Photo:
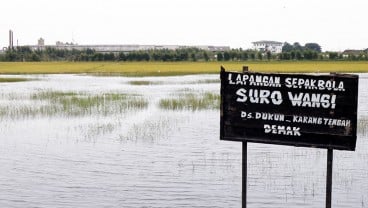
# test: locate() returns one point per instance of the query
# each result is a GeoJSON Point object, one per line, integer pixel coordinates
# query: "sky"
{"type": "Point", "coordinates": [334, 24]}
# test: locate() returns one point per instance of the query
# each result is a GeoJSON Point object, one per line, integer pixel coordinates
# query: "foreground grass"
{"type": "Point", "coordinates": [177, 68]}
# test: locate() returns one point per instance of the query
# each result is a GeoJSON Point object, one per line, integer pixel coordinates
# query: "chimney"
{"type": "Point", "coordinates": [11, 43]}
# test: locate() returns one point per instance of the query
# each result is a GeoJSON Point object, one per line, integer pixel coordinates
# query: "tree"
{"type": "Point", "coordinates": [90, 51]}
{"type": "Point", "coordinates": [298, 55]}
{"type": "Point", "coordinates": [10, 56]}
{"type": "Point", "coordinates": [259, 56]}
{"type": "Point", "coordinates": [297, 47]}
{"type": "Point", "coordinates": [308, 54]}
{"type": "Point", "coordinates": [285, 56]}
{"type": "Point", "coordinates": [227, 56]}
{"type": "Point", "coordinates": [244, 56]}
{"type": "Point", "coordinates": [220, 57]}
{"type": "Point", "coordinates": [268, 55]}
{"type": "Point", "coordinates": [109, 57]}
{"type": "Point", "coordinates": [292, 55]}
{"type": "Point", "coordinates": [122, 56]}
{"type": "Point", "coordinates": [313, 47]}
{"type": "Point", "coordinates": [193, 57]}
{"type": "Point", "coordinates": [332, 55]}
{"type": "Point", "coordinates": [287, 47]}
{"type": "Point", "coordinates": [183, 56]}
{"type": "Point", "coordinates": [233, 55]}
{"type": "Point", "coordinates": [98, 57]}
{"type": "Point", "coordinates": [205, 56]}
{"type": "Point", "coordinates": [35, 57]}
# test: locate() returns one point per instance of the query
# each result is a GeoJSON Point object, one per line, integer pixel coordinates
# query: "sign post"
{"type": "Point", "coordinates": [244, 174]}
{"type": "Point", "coordinates": [244, 165]}
{"type": "Point", "coordinates": [317, 111]}
{"type": "Point", "coordinates": [329, 178]}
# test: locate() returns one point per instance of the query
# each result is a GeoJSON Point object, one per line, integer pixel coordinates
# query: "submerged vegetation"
{"type": "Point", "coordinates": [191, 101]}
{"type": "Point", "coordinates": [206, 81]}
{"type": "Point", "coordinates": [58, 103]}
{"type": "Point", "coordinates": [13, 79]}
{"type": "Point", "coordinates": [143, 82]}
{"type": "Point", "coordinates": [150, 130]}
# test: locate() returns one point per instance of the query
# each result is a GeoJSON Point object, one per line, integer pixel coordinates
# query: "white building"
{"type": "Point", "coordinates": [265, 45]}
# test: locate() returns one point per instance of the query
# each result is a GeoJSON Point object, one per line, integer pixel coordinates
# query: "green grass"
{"type": "Point", "coordinates": [56, 103]}
{"type": "Point", "coordinates": [191, 101]}
{"type": "Point", "coordinates": [206, 81]}
{"type": "Point", "coordinates": [13, 79]}
{"type": "Point", "coordinates": [52, 95]}
{"type": "Point", "coordinates": [143, 82]}
{"type": "Point", "coordinates": [177, 68]}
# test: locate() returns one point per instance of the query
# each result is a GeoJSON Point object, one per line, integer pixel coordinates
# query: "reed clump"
{"type": "Point", "coordinates": [191, 101]}
{"type": "Point", "coordinates": [144, 82]}
{"type": "Point", "coordinates": [13, 79]}
{"type": "Point", "coordinates": [58, 103]}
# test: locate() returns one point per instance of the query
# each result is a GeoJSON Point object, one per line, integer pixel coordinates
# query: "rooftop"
{"type": "Point", "coordinates": [267, 42]}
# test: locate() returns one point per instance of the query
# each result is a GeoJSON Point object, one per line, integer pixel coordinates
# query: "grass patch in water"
{"type": "Point", "coordinates": [143, 82]}
{"type": "Point", "coordinates": [13, 79]}
{"type": "Point", "coordinates": [152, 129]}
{"type": "Point", "coordinates": [206, 81]}
{"type": "Point", "coordinates": [362, 125]}
{"type": "Point", "coordinates": [191, 101]}
{"type": "Point", "coordinates": [52, 95]}
{"type": "Point", "coordinates": [58, 103]}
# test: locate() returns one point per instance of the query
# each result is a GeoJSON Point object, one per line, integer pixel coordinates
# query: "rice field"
{"type": "Point", "coordinates": [177, 68]}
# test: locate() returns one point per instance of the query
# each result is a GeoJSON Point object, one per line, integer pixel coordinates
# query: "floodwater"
{"type": "Point", "coordinates": [155, 157]}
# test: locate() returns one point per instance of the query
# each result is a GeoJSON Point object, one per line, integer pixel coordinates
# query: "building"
{"type": "Point", "coordinates": [41, 42]}
{"type": "Point", "coordinates": [354, 53]}
{"type": "Point", "coordinates": [123, 47]}
{"type": "Point", "coordinates": [265, 45]}
{"type": "Point", "coordinates": [106, 48]}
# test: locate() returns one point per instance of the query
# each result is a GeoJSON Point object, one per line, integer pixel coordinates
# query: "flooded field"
{"type": "Point", "coordinates": [89, 141]}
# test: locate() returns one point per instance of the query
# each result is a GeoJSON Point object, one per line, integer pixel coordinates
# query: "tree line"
{"type": "Point", "coordinates": [310, 51]}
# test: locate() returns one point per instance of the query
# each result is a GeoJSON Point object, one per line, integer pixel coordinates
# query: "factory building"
{"type": "Point", "coordinates": [265, 45]}
{"type": "Point", "coordinates": [121, 48]}
{"type": "Point", "coordinates": [111, 48]}
{"type": "Point", "coordinates": [11, 40]}
{"type": "Point", "coordinates": [11, 43]}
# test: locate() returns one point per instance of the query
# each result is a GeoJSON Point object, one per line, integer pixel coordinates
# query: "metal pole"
{"type": "Point", "coordinates": [329, 178]}
{"type": "Point", "coordinates": [244, 175]}
{"type": "Point", "coordinates": [244, 166]}
{"type": "Point", "coordinates": [245, 68]}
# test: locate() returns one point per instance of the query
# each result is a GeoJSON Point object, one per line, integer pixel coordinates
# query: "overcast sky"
{"type": "Point", "coordinates": [334, 24]}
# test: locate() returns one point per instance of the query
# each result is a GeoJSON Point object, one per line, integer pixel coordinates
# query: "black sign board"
{"type": "Point", "coordinates": [290, 109]}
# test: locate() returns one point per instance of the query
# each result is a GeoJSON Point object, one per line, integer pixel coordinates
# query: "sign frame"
{"type": "Point", "coordinates": [342, 137]}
